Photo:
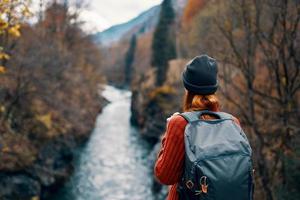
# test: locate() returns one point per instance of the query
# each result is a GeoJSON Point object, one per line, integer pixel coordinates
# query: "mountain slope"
{"type": "Point", "coordinates": [144, 22]}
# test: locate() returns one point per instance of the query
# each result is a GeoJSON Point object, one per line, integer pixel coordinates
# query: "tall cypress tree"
{"type": "Point", "coordinates": [163, 43]}
{"type": "Point", "coordinates": [129, 59]}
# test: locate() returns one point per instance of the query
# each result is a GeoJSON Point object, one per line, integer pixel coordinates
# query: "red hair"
{"type": "Point", "coordinates": [194, 102]}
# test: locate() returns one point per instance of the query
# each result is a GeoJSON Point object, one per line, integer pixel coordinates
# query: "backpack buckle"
{"type": "Point", "coordinates": [204, 186]}
{"type": "Point", "coordinates": [203, 183]}
{"type": "Point", "coordinates": [189, 184]}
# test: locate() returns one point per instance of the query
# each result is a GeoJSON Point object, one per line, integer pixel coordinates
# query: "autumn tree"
{"type": "Point", "coordinates": [12, 15]}
{"type": "Point", "coordinates": [51, 82]}
{"type": "Point", "coordinates": [53, 58]}
{"type": "Point", "coordinates": [163, 43]}
{"type": "Point", "coordinates": [257, 46]}
{"type": "Point", "coordinates": [192, 9]}
{"type": "Point", "coordinates": [261, 51]}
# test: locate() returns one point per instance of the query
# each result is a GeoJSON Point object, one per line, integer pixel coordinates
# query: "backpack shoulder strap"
{"type": "Point", "coordinates": [195, 115]}
{"type": "Point", "coordinates": [190, 116]}
{"type": "Point", "coordinates": [224, 115]}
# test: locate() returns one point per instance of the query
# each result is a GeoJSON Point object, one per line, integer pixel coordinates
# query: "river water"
{"type": "Point", "coordinates": [113, 164]}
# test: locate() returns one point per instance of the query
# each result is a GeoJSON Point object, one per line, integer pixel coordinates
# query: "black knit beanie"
{"type": "Point", "coordinates": [200, 75]}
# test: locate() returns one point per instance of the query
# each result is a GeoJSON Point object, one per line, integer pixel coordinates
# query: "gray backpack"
{"type": "Point", "coordinates": [218, 164]}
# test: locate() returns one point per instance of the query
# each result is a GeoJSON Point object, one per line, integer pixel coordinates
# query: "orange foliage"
{"type": "Point", "coordinates": [192, 8]}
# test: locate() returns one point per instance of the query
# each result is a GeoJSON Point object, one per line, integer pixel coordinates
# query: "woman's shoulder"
{"type": "Point", "coordinates": [177, 120]}
{"type": "Point", "coordinates": [176, 127]}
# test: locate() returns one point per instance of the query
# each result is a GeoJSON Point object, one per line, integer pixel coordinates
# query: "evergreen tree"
{"type": "Point", "coordinates": [129, 59]}
{"type": "Point", "coordinates": [163, 43]}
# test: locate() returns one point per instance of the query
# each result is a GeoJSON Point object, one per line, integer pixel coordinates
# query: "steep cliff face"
{"type": "Point", "coordinates": [151, 105]}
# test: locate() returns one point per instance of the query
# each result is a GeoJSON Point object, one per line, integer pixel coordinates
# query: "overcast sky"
{"type": "Point", "coordinates": [101, 14]}
{"type": "Point", "coordinates": [110, 12]}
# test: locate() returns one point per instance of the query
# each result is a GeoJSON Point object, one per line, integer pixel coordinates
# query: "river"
{"type": "Point", "coordinates": [113, 163]}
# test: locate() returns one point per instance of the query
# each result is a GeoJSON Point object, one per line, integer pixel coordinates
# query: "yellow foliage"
{"type": "Point", "coordinates": [5, 149]}
{"type": "Point", "coordinates": [45, 119]}
{"type": "Point", "coordinates": [162, 90]}
{"type": "Point", "coordinates": [2, 108]}
{"type": "Point", "coordinates": [3, 24]}
{"type": "Point", "coordinates": [14, 31]}
{"type": "Point", "coordinates": [35, 198]}
{"type": "Point", "coordinates": [283, 81]}
{"type": "Point", "coordinates": [26, 12]}
{"type": "Point", "coordinates": [5, 1]}
{"type": "Point", "coordinates": [2, 69]}
{"type": "Point", "coordinates": [12, 15]}
{"type": "Point", "coordinates": [4, 56]}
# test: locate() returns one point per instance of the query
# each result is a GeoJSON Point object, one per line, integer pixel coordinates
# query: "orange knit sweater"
{"type": "Point", "coordinates": [169, 165]}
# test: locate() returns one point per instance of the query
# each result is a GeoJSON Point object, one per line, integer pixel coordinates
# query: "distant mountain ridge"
{"type": "Point", "coordinates": [143, 23]}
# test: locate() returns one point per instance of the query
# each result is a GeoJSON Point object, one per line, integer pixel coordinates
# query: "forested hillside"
{"type": "Point", "coordinates": [49, 76]}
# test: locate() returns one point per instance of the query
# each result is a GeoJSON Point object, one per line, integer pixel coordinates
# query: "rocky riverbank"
{"type": "Point", "coordinates": [52, 167]}
{"type": "Point", "coordinates": [32, 168]}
